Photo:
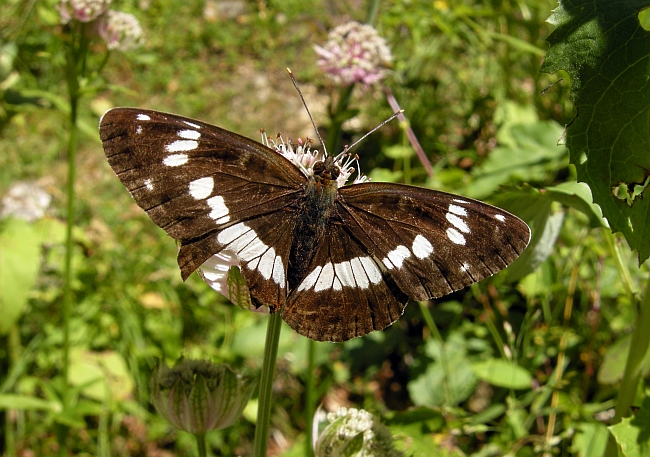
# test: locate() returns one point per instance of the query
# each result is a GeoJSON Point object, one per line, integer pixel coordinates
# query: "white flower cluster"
{"type": "Point", "coordinates": [354, 433]}
{"type": "Point", "coordinates": [82, 10]}
{"type": "Point", "coordinates": [25, 200]}
{"type": "Point", "coordinates": [121, 31]}
{"type": "Point", "coordinates": [302, 156]}
{"type": "Point", "coordinates": [354, 53]}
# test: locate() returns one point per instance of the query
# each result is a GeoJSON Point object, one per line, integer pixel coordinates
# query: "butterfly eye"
{"type": "Point", "coordinates": [319, 168]}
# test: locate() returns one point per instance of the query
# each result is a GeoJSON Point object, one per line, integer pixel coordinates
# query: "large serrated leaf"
{"type": "Point", "coordinates": [603, 47]}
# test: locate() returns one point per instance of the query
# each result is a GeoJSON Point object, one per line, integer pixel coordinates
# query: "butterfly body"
{"type": "Point", "coordinates": [338, 261]}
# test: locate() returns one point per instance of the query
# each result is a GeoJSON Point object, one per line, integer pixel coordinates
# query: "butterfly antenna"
{"type": "Point", "coordinates": [302, 99]}
{"type": "Point", "coordinates": [347, 148]}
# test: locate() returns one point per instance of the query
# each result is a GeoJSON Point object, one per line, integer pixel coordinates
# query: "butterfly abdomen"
{"type": "Point", "coordinates": [315, 211]}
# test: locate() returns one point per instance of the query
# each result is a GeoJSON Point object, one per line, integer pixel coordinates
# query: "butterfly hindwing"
{"type": "Point", "coordinates": [345, 292]}
{"type": "Point", "coordinates": [194, 179]}
{"type": "Point", "coordinates": [431, 243]}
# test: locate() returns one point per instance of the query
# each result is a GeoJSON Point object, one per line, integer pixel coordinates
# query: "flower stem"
{"type": "Point", "coordinates": [337, 117]}
{"type": "Point", "coordinates": [266, 385]}
{"type": "Point", "coordinates": [72, 80]}
{"type": "Point", "coordinates": [309, 397]}
{"type": "Point", "coordinates": [633, 368]}
{"type": "Point", "coordinates": [200, 444]}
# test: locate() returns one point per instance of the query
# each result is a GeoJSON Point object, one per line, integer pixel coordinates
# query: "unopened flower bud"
{"type": "Point", "coordinates": [198, 396]}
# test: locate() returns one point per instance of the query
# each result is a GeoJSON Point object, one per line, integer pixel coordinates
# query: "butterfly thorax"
{"type": "Point", "coordinates": [316, 207]}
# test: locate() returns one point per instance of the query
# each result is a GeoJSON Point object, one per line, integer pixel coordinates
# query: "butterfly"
{"type": "Point", "coordinates": [337, 261]}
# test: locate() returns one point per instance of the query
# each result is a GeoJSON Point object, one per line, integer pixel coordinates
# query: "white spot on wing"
{"type": "Point", "coordinates": [266, 264]}
{"type": "Point", "coordinates": [325, 279]}
{"type": "Point", "coordinates": [201, 188]}
{"type": "Point", "coordinates": [455, 236]}
{"type": "Point", "coordinates": [219, 210]}
{"type": "Point", "coordinates": [278, 271]}
{"type": "Point", "coordinates": [189, 134]}
{"type": "Point", "coordinates": [458, 222]}
{"type": "Point", "coordinates": [464, 267]}
{"type": "Point", "coordinates": [359, 273]}
{"type": "Point", "coordinates": [422, 248]}
{"type": "Point", "coordinates": [182, 145]}
{"type": "Point", "coordinates": [372, 270]}
{"type": "Point", "coordinates": [310, 279]}
{"type": "Point", "coordinates": [459, 210]}
{"type": "Point", "coordinates": [255, 249]}
{"type": "Point", "coordinates": [143, 117]}
{"type": "Point", "coordinates": [397, 256]}
{"type": "Point", "coordinates": [231, 233]}
{"type": "Point", "coordinates": [148, 184]}
{"type": "Point", "coordinates": [138, 130]}
{"type": "Point", "coordinates": [500, 217]}
{"type": "Point", "coordinates": [175, 160]}
{"type": "Point", "coordinates": [242, 242]}
{"type": "Point", "coordinates": [458, 200]}
{"type": "Point", "coordinates": [344, 273]}
{"type": "Point", "coordinates": [191, 124]}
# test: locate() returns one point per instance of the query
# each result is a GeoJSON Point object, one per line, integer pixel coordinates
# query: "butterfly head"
{"type": "Point", "coordinates": [316, 164]}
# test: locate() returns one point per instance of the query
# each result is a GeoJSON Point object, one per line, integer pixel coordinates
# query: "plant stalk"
{"type": "Point", "coordinates": [309, 397]}
{"type": "Point", "coordinates": [633, 367]}
{"type": "Point", "coordinates": [266, 385]}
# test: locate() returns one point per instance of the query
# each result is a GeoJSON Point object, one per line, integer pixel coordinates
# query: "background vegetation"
{"type": "Point", "coordinates": [525, 363]}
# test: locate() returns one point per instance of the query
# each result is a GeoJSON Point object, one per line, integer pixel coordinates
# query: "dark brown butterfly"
{"type": "Point", "coordinates": [338, 261]}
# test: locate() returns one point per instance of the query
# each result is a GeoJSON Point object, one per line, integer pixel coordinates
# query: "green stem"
{"type": "Point", "coordinates": [73, 92]}
{"type": "Point", "coordinates": [266, 385]}
{"type": "Point", "coordinates": [373, 9]}
{"type": "Point", "coordinates": [309, 397]}
{"type": "Point", "coordinates": [633, 368]}
{"type": "Point", "coordinates": [428, 319]}
{"type": "Point", "coordinates": [200, 444]}
{"type": "Point", "coordinates": [335, 134]}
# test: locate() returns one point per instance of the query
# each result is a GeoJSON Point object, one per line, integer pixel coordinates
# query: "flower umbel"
{"type": "Point", "coordinates": [354, 53]}
{"type": "Point", "coordinates": [302, 156]}
{"type": "Point", "coordinates": [198, 396]}
{"type": "Point", "coordinates": [82, 10]}
{"type": "Point", "coordinates": [121, 31]}
{"type": "Point", "coordinates": [354, 433]}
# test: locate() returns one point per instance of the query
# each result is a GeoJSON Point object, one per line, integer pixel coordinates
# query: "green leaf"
{"type": "Point", "coordinates": [527, 151]}
{"type": "Point", "coordinates": [577, 195]}
{"type": "Point", "coordinates": [631, 433]}
{"type": "Point", "coordinates": [23, 402]}
{"type": "Point", "coordinates": [447, 381]}
{"type": "Point", "coordinates": [238, 291]}
{"type": "Point", "coordinates": [502, 373]}
{"type": "Point", "coordinates": [603, 47]}
{"type": "Point", "coordinates": [611, 371]}
{"type": "Point", "coordinates": [19, 265]}
{"type": "Point", "coordinates": [535, 208]}
{"type": "Point", "coordinates": [591, 439]}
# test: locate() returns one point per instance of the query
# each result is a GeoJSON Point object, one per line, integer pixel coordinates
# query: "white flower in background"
{"type": "Point", "coordinates": [121, 31]}
{"type": "Point", "coordinates": [25, 200]}
{"type": "Point", "coordinates": [82, 10]}
{"type": "Point", "coordinates": [354, 432]}
{"type": "Point", "coordinates": [354, 53]}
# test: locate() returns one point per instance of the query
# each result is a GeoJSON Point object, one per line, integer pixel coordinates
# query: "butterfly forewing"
{"type": "Point", "coordinates": [194, 179]}
{"type": "Point", "coordinates": [431, 243]}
